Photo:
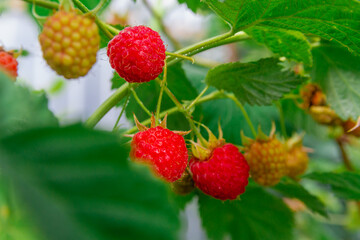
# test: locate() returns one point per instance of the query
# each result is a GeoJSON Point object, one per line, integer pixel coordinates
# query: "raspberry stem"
{"type": "Point", "coordinates": [196, 131]}
{"type": "Point", "coordinates": [107, 29]}
{"type": "Point", "coordinates": [282, 120]}
{"type": "Point", "coordinates": [171, 96]}
{"type": "Point", "coordinates": [122, 112]}
{"type": "Point", "coordinates": [246, 116]}
{"type": "Point", "coordinates": [109, 103]}
{"type": "Point", "coordinates": [209, 97]}
{"type": "Point", "coordinates": [213, 42]}
{"type": "Point", "coordinates": [141, 104]}
{"type": "Point", "coordinates": [197, 98]}
{"type": "Point", "coordinates": [98, 7]}
{"type": "Point", "coordinates": [181, 56]}
{"type": "Point", "coordinates": [44, 3]}
{"type": "Point", "coordinates": [162, 86]}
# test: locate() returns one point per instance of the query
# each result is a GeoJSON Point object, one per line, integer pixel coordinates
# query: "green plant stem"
{"type": "Point", "coordinates": [162, 86]}
{"type": "Point", "coordinates": [246, 116]}
{"type": "Point", "coordinates": [109, 103]}
{"type": "Point", "coordinates": [122, 111]}
{"type": "Point", "coordinates": [282, 120]}
{"type": "Point", "coordinates": [344, 156]}
{"type": "Point", "coordinates": [171, 95]}
{"type": "Point", "coordinates": [98, 7]}
{"type": "Point", "coordinates": [44, 3]}
{"type": "Point", "coordinates": [196, 131]}
{"type": "Point", "coordinates": [192, 60]}
{"type": "Point", "coordinates": [141, 104]}
{"type": "Point", "coordinates": [213, 42]}
{"type": "Point", "coordinates": [205, 62]}
{"type": "Point", "coordinates": [209, 97]}
{"type": "Point", "coordinates": [109, 30]}
{"type": "Point", "coordinates": [158, 18]}
{"type": "Point", "coordinates": [197, 98]}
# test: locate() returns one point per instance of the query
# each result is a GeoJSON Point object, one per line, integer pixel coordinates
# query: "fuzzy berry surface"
{"type": "Point", "coordinates": [267, 161]}
{"type": "Point", "coordinates": [69, 43]}
{"type": "Point", "coordinates": [224, 175]}
{"type": "Point", "coordinates": [8, 63]}
{"type": "Point", "coordinates": [137, 54]}
{"type": "Point", "coordinates": [297, 162]}
{"type": "Point", "coordinates": [163, 150]}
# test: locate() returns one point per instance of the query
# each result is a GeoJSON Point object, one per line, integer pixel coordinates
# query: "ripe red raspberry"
{"type": "Point", "coordinates": [267, 161]}
{"type": "Point", "coordinates": [164, 150]}
{"type": "Point", "coordinates": [137, 54]}
{"type": "Point", "coordinates": [8, 64]}
{"type": "Point", "coordinates": [224, 175]}
{"type": "Point", "coordinates": [69, 43]}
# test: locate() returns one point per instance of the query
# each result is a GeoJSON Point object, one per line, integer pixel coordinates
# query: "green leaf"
{"type": "Point", "coordinates": [233, 121]}
{"type": "Point", "coordinates": [257, 216]}
{"type": "Point", "coordinates": [290, 44]}
{"type": "Point", "coordinates": [224, 110]}
{"type": "Point", "coordinates": [338, 73]}
{"type": "Point", "coordinates": [14, 224]}
{"type": "Point", "coordinates": [345, 185]}
{"type": "Point", "coordinates": [292, 189]}
{"type": "Point", "coordinates": [180, 86]}
{"type": "Point", "coordinates": [77, 183]}
{"type": "Point", "coordinates": [255, 83]}
{"type": "Point", "coordinates": [21, 109]}
{"type": "Point", "coordinates": [334, 20]}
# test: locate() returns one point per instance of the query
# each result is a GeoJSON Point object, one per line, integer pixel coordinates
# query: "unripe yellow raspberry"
{"type": "Point", "coordinates": [297, 161]}
{"type": "Point", "coordinates": [69, 43]}
{"type": "Point", "coordinates": [267, 161]}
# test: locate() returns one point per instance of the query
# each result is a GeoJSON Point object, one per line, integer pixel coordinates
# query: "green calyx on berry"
{"type": "Point", "coordinates": [202, 149]}
{"type": "Point", "coordinates": [153, 124]}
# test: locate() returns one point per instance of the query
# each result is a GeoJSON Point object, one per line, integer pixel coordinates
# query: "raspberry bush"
{"type": "Point", "coordinates": [288, 68]}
